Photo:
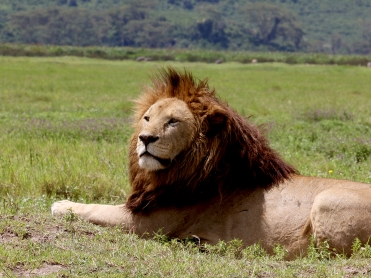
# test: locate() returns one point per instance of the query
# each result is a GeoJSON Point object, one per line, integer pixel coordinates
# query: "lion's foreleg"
{"type": "Point", "coordinates": [105, 215]}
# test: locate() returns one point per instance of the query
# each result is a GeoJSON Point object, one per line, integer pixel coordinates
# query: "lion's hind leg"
{"type": "Point", "coordinates": [339, 215]}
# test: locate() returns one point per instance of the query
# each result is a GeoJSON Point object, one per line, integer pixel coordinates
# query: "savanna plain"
{"type": "Point", "coordinates": [64, 127]}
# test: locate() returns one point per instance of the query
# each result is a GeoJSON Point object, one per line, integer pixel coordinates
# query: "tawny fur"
{"type": "Point", "coordinates": [226, 182]}
{"type": "Point", "coordinates": [226, 151]}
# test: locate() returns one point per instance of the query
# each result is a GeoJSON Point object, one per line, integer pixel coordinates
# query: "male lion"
{"type": "Point", "coordinates": [198, 169]}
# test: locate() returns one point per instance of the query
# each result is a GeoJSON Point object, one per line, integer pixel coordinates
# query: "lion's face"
{"type": "Point", "coordinates": [165, 130]}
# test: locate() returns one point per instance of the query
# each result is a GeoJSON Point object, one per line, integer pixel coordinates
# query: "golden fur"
{"type": "Point", "coordinates": [226, 151]}
{"type": "Point", "coordinates": [198, 169]}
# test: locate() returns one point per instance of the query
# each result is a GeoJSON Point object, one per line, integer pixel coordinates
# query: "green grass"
{"type": "Point", "coordinates": [64, 127]}
{"type": "Point", "coordinates": [181, 55]}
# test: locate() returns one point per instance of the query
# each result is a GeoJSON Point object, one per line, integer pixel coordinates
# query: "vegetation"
{"type": "Point", "coordinates": [270, 25]}
{"type": "Point", "coordinates": [64, 127]}
{"type": "Point", "coordinates": [182, 55]}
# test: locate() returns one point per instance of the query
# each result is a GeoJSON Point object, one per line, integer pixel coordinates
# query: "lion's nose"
{"type": "Point", "coordinates": [146, 139]}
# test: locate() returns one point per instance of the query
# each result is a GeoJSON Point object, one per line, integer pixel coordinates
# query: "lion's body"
{"type": "Point", "coordinates": [198, 169]}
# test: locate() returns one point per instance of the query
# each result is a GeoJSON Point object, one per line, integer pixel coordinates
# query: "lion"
{"type": "Point", "coordinates": [200, 170]}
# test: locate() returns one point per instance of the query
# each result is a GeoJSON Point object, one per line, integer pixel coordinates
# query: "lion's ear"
{"type": "Point", "coordinates": [216, 121]}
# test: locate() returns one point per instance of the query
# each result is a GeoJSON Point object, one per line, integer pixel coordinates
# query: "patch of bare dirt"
{"type": "Point", "coordinates": [353, 271]}
{"type": "Point", "coordinates": [44, 270]}
{"type": "Point", "coordinates": [7, 237]}
{"type": "Point", "coordinates": [48, 234]}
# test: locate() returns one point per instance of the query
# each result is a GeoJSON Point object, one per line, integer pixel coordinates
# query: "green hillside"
{"type": "Point", "coordinates": [339, 27]}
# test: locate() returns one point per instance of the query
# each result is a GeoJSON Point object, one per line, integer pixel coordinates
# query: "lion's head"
{"type": "Point", "coordinates": [189, 147]}
{"type": "Point", "coordinates": [166, 129]}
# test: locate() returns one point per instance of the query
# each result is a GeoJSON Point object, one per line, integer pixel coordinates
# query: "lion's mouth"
{"type": "Point", "coordinates": [163, 161]}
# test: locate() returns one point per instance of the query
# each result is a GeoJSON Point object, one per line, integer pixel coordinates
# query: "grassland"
{"type": "Point", "coordinates": [64, 126]}
{"type": "Point", "coordinates": [181, 55]}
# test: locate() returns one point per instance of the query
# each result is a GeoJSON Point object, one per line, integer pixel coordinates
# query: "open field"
{"type": "Point", "coordinates": [64, 126]}
{"type": "Point", "coordinates": [180, 55]}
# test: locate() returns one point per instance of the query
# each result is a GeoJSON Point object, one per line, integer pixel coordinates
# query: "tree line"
{"type": "Point", "coordinates": [211, 24]}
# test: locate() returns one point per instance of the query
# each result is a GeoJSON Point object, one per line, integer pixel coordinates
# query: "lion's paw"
{"type": "Point", "coordinates": [61, 207]}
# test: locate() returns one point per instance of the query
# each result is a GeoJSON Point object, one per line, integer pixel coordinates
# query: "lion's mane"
{"type": "Point", "coordinates": [228, 154]}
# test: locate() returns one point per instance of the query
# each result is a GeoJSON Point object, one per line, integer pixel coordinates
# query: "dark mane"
{"type": "Point", "coordinates": [228, 155]}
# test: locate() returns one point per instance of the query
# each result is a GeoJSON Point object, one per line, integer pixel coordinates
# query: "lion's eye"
{"type": "Point", "coordinates": [172, 121]}
{"type": "Point", "coordinates": [146, 118]}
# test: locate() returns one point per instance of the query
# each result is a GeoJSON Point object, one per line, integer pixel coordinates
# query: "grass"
{"type": "Point", "coordinates": [64, 127]}
{"type": "Point", "coordinates": [180, 55]}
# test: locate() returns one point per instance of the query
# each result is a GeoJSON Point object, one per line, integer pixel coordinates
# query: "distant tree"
{"type": "Point", "coordinates": [72, 3]}
{"type": "Point", "coordinates": [273, 25]}
{"type": "Point", "coordinates": [336, 43]}
{"type": "Point", "coordinates": [186, 4]}
{"type": "Point", "coordinates": [366, 30]}
{"type": "Point", "coordinates": [147, 33]}
{"type": "Point", "coordinates": [364, 46]}
{"type": "Point", "coordinates": [361, 47]}
{"type": "Point", "coordinates": [205, 27]}
{"type": "Point", "coordinates": [211, 29]}
{"type": "Point", "coordinates": [239, 35]}
{"type": "Point", "coordinates": [210, 1]}
{"type": "Point", "coordinates": [120, 17]}
{"type": "Point", "coordinates": [62, 2]}
{"type": "Point", "coordinates": [59, 26]}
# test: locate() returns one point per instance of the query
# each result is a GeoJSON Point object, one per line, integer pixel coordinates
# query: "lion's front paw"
{"type": "Point", "coordinates": [61, 207]}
